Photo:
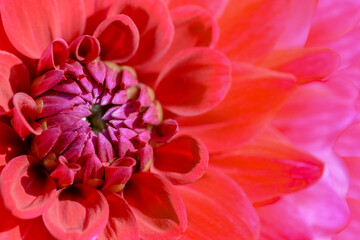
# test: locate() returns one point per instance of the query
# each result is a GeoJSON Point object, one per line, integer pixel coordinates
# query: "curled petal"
{"type": "Point", "coordinates": [42, 144]}
{"type": "Point", "coordinates": [267, 168]}
{"type": "Point", "coordinates": [46, 81]}
{"type": "Point", "coordinates": [26, 187]}
{"type": "Point", "coordinates": [218, 209]}
{"type": "Point", "coordinates": [14, 78]}
{"type": "Point", "coordinates": [158, 207]}
{"type": "Point", "coordinates": [85, 48]}
{"type": "Point", "coordinates": [64, 173]}
{"type": "Point", "coordinates": [79, 212]}
{"type": "Point", "coordinates": [194, 81]}
{"type": "Point", "coordinates": [24, 115]}
{"type": "Point", "coordinates": [56, 54]}
{"type": "Point", "coordinates": [183, 160]}
{"type": "Point", "coordinates": [122, 222]}
{"type": "Point", "coordinates": [118, 173]}
{"type": "Point", "coordinates": [165, 131]}
{"type": "Point", "coordinates": [118, 37]}
{"type": "Point", "coordinates": [32, 28]}
{"type": "Point", "coordinates": [153, 21]}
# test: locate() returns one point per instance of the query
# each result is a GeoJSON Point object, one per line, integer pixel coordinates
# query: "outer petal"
{"type": "Point", "coordinates": [34, 227]}
{"type": "Point", "coordinates": [267, 168]}
{"type": "Point", "coordinates": [215, 7]}
{"type": "Point", "coordinates": [250, 29]}
{"type": "Point", "coordinates": [31, 28]}
{"type": "Point", "coordinates": [256, 94]}
{"type": "Point", "coordinates": [14, 77]}
{"type": "Point", "coordinates": [183, 160]}
{"type": "Point", "coordinates": [218, 209]}
{"type": "Point", "coordinates": [289, 226]}
{"type": "Point", "coordinates": [27, 189]}
{"type": "Point", "coordinates": [158, 207]}
{"type": "Point", "coordinates": [194, 81]}
{"type": "Point", "coordinates": [307, 64]}
{"type": "Point", "coordinates": [79, 212]}
{"type": "Point", "coordinates": [347, 145]}
{"type": "Point", "coordinates": [153, 21]}
{"type": "Point", "coordinates": [122, 222]}
{"type": "Point", "coordinates": [353, 165]}
{"type": "Point", "coordinates": [352, 231]}
{"type": "Point", "coordinates": [118, 37]}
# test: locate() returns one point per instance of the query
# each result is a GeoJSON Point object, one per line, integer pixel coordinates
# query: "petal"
{"type": "Point", "coordinates": [290, 225]}
{"type": "Point", "coordinates": [14, 77]}
{"type": "Point", "coordinates": [352, 231]}
{"type": "Point", "coordinates": [56, 54]}
{"type": "Point", "coordinates": [218, 209]}
{"type": "Point", "coordinates": [250, 29]}
{"type": "Point", "coordinates": [268, 168]}
{"type": "Point", "coordinates": [27, 189]}
{"type": "Point", "coordinates": [32, 28]}
{"type": "Point", "coordinates": [255, 93]}
{"type": "Point", "coordinates": [118, 37]}
{"type": "Point", "coordinates": [183, 160]}
{"type": "Point", "coordinates": [85, 48]}
{"type": "Point", "coordinates": [79, 212]}
{"type": "Point", "coordinates": [153, 21]}
{"type": "Point", "coordinates": [307, 64]}
{"type": "Point", "coordinates": [194, 81]}
{"type": "Point", "coordinates": [9, 229]}
{"type": "Point", "coordinates": [158, 207]}
{"type": "Point", "coordinates": [353, 167]}
{"type": "Point", "coordinates": [215, 7]}
{"type": "Point", "coordinates": [34, 227]}
{"type": "Point", "coordinates": [122, 222]}
{"type": "Point", "coordinates": [11, 144]}
{"type": "Point", "coordinates": [332, 19]}
{"type": "Point", "coordinates": [347, 143]}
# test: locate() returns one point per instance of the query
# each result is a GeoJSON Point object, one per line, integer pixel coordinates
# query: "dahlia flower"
{"type": "Point", "coordinates": [112, 110]}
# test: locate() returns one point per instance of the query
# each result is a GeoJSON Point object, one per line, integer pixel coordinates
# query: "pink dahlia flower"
{"type": "Point", "coordinates": [110, 111]}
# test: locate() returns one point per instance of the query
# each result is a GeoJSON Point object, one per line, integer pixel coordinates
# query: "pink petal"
{"type": "Point", "coordinates": [153, 21]}
{"type": "Point", "coordinates": [353, 167]}
{"type": "Point", "coordinates": [25, 110]}
{"type": "Point", "coordinates": [122, 222]}
{"type": "Point", "coordinates": [267, 168]}
{"type": "Point", "coordinates": [183, 160]}
{"type": "Point", "coordinates": [79, 212]}
{"type": "Point", "coordinates": [194, 81]}
{"type": "Point", "coordinates": [307, 64]}
{"type": "Point", "coordinates": [11, 144]}
{"type": "Point", "coordinates": [255, 93]}
{"type": "Point", "coordinates": [85, 48]}
{"type": "Point", "coordinates": [218, 209]}
{"type": "Point", "coordinates": [215, 7]}
{"type": "Point", "coordinates": [14, 78]}
{"type": "Point", "coordinates": [26, 187]}
{"type": "Point", "coordinates": [250, 29]}
{"type": "Point", "coordinates": [282, 220]}
{"type": "Point", "coordinates": [352, 231]}
{"type": "Point", "coordinates": [332, 19]}
{"type": "Point", "coordinates": [347, 145]}
{"type": "Point", "coordinates": [56, 54]}
{"type": "Point", "coordinates": [118, 37]}
{"type": "Point", "coordinates": [159, 210]}
{"type": "Point", "coordinates": [42, 144]}
{"type": "Point", "coordinates": [31, 28]}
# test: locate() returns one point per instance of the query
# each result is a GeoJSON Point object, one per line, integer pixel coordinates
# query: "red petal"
{"type": "Point", "coordinates": [290, 225]}
{"type": "Point", "coordinates": [11, 144]}
{"type": "Point", "coordinates": [352, 231]}
{"type": "Point", "coordinates": [34, 227]}
{"type": "Point", "coordinates": [250, 29]}
{"type": "Point", "coordinates": [25, 110]}
{"type": "Point", "coordinates": [56, 54]}
{"type": "Point", "coordinates": [31, 28]}
{"type": "Point", "coordinates": [26, 187]}
{"type": "Point", "coordinates": [9, 229]}
{"type": "Point", "coordinates": [194, 81]}
{"type": "Point", "coordinates": [268, 168]}
{"type": "Point", "coordinates": [307, 64]}
{"type": "Point", "coordinates": [85, 48]}
{"type": "Point", "coordinates": [14, 77]}
{"type": "Point", "coordinates": [118, 37]}
{"type": "Point", "coordinates": [256, 94]}
{"type": "Point", "coordinates": [218, 209]}
{"type": "Point", "coordinates": [153, 21]}
{"type": "Point", "coordinates": [158, 207]}
{"type": "Point", "coordinates": [333, 19]}
{"type": "Point", "coordinates": [183, 160]}
{"type": "Point", "coordinates": [122, 222]}
{"type": "Point", "coordinates": [79, 212]}
{"type": "Point", "coordinates": [215, 7]}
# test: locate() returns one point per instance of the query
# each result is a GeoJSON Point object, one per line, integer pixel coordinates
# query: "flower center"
{"type": "Point", "coordinates": [95, 119]}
